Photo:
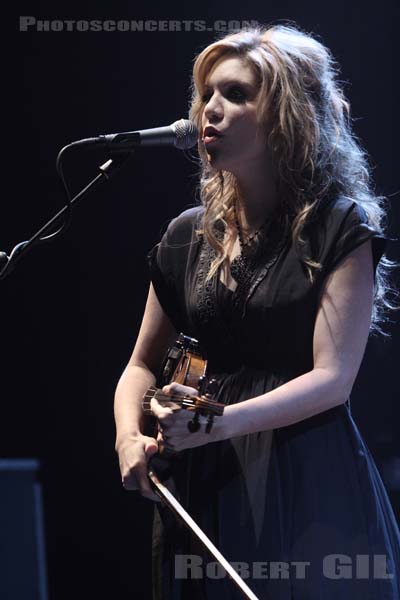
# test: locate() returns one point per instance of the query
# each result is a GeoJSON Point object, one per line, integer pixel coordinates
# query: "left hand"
{"type": "Point", "coordinates": [173, 421]}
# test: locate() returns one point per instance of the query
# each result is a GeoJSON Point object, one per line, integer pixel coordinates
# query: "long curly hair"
{"type": "Point", "coordinates": [307, 122]}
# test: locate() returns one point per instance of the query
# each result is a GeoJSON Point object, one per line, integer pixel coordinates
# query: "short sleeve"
{"type": "Point", "coordinates": [346, 228]}
{"type": "Point", "coordinates": [168, 262]}
{"type": "Point", "coordinates": [162, 286]}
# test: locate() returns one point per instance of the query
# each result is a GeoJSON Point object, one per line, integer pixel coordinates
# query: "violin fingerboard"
{"type": "Point", "coordinates": [187, 402]}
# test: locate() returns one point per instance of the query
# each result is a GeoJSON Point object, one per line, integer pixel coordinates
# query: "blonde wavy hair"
{"type": "Point", "coordinates": [307, 123]}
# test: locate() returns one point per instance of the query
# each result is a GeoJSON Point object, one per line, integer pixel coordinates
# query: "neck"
{"type": "Point", "coordinates": [255, 206]}
{"type": "Point", "coordinates": [257, 197]}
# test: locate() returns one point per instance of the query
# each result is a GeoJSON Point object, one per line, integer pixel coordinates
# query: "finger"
{"type": "Point", "coordinates": [142, 477]}
{"type": "Point", "coordinates": [179, 388]}
{"type": "Point", "coordinates": [172, 405]}
{"type": "Point", "coordinates": [165, 444]}
{"type": "Point", "coordinates": [151, 447]}
{"type": "Point", "coordinates": [158, 410]}
{"type": "Point", "coordinates": [129, 482]}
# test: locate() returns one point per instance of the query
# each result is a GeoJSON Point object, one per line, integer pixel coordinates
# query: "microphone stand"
{"type": "Point", "coordinates": [107, 170]}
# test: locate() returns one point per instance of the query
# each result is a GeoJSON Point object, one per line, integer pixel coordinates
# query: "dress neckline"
{"type": "Point", "coordinates": [224, 287]}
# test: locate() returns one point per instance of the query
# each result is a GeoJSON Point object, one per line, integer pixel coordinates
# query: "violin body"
{"type": "Point", "coordinates": [183, 364]}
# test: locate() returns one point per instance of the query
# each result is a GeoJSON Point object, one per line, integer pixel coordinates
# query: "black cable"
{"type": "Point", "coordinates": [68, 206]}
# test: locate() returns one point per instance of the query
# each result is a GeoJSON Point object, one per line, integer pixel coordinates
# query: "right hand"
{"type": "Point", "coordinates": [134, 453]}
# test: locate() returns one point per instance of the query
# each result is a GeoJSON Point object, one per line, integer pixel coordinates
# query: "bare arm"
{"type": "Point", "coordinates": [155, 335]}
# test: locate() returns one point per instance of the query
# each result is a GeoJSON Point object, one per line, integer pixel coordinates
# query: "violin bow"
{"type": "Point", "coordinates": [163, 492]}
{"type": "Point", "coordinates": [191, 403]}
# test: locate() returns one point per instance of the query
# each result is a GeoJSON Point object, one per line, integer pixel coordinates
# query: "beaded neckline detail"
{"type": "Point", "coordinates": [251, 250]}
{"type": "Point", "coordinates": [248, 274]}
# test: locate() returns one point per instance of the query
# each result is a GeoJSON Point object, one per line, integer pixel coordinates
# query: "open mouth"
{"type": "Point", "coordinates": [211, 135]}
{"type": "Point", "coordinates": [208, 139]}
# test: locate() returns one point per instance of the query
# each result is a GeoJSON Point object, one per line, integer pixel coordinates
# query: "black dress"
{"type": "Point", "coordinates": [301, 509]}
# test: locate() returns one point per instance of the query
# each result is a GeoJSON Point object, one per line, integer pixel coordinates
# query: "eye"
{"type": "Point", "coordinates": [236, 94]}
{"type": "Point", "coordinates": [206, 97]}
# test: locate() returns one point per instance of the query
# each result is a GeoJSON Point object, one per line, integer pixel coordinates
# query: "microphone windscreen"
{"type": "Point", "coordinates": [186, 134]}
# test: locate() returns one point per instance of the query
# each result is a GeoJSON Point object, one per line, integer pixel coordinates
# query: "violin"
{"type": "Point", "coordinates": [185, 364]}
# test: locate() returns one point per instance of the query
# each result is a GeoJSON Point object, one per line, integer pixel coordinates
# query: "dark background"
{"type": "Point", "coordinates": [72, 308]}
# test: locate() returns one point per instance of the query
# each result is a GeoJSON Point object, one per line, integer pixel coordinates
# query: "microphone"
{"type": "Point", "coordinates": [182, 134]}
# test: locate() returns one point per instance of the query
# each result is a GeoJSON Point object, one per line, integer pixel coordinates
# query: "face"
{"type": "Point", "coordinates": [232, 138]}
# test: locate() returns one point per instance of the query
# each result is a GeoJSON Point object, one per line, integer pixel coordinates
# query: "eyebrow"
{"type": "Point", "coordinates": [225, 82]}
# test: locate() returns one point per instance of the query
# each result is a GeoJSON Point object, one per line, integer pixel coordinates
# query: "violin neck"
{"type": "Point", "coordinates": [187, 402]}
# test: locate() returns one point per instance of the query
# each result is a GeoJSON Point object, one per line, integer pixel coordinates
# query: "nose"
{"type": "Point", "coordinates": [214, 110]}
